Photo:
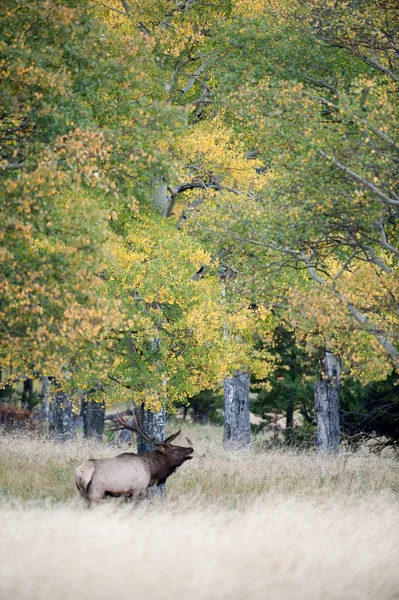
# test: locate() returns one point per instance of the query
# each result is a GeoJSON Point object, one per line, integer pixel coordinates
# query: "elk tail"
{"type": "Point", "coordinates": [83, 475]}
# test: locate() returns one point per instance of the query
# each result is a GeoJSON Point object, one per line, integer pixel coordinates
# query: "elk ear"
{"type": "Point", "coordinates": [160, 448]}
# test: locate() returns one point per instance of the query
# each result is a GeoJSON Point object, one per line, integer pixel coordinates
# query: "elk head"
{"type": "Point", "coordinates": [176, 455]}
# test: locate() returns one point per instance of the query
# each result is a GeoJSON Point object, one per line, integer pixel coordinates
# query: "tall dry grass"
{"type": "Point", "coordinates": [280, 548]}
{"type": "Point", "coordinates": [250, 525]}
{"type": "Point", "coordinates": [37, 469]}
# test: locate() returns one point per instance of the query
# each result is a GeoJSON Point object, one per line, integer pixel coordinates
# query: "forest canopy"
{"type": "Point", "coordinates": [181, 180]}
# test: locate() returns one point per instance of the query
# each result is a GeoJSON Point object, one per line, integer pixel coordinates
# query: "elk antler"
{"type": "Point", "coordinates": [137, 428]}
{"type": "Point", "coordinates": [172, 437]}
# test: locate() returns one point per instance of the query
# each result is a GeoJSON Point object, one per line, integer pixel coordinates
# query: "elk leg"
{"type": "Point", "coordinates": [94, 497]}
{"type": "Point", "coordinates": [138, 495]}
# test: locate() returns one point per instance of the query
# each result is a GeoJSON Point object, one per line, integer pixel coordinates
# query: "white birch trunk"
{"type": "Point", "coordinates": [237, 427]}
{"type": "Point", "coordinates": [63, 421]}
{"type": "Point", "coordinates": [93, 419]}
{"type": "Point", "coordinates": [154, 425]}
{"type": "Point", "coordinates": [326, 394]}
{"type": "Point", "coordinates": [45, 400]}
{"type": "Point", "coordinates": [160, 198]}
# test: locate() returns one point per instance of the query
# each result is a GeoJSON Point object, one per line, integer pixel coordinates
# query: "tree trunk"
{"type": "Point", "coordinates": [3, 393]}
{"type": "Point", "coordinates": [7, 391]}
{"type": "Point", "coordinates": [154, 425]}
{"type": "Point", "coordinates": [200, 416]}
{"type": "Point", "coordinates": [326, 405]}
{"type": "Point", "coordinates": [289, 417]}
{"type": "Point", "coordinates": [93, 419]}
{"type": "Point", "coordinates": [27, 394]}
{"type": "Point", "coordinates": [63, 421]}
{"type": "Point", "coordinates": [159, 193]}
{"type": "Point", "coordinates": [123, 437]}
{"type": "Point", "coordinates": [237, 428]}
{"type": "Point", "coordinates": [45, 402]}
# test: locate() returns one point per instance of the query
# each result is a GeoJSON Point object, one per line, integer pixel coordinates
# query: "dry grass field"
{"type": "Point", "coordinates": [250, 525]}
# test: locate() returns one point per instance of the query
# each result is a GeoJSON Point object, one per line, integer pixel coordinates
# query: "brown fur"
{"type": "Point", "coordinates": [128, 474]}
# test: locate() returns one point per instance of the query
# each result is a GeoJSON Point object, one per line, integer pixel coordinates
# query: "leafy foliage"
{"type": "Point", "coordinates": [275, 172]}
{"type": "Point", "coordinates": [174, 343]}
{"type": "Point", "coordinates": [74, 119]}
{"type": "Point", "coordinates": [322, 118]}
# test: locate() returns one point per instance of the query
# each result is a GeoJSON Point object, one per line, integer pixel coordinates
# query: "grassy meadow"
{"type": "Point", "coordinates": [255, 524]}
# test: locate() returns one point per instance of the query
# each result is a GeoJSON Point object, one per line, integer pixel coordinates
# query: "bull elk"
{"type": "Point", "coordinates": [128, 474]}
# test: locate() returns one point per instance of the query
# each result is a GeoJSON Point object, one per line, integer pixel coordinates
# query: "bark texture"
{"type": "Point", "coordinates": [45, 400]}
{"type": "Point", "coordinates": [154, 425]}
{"type": "Point", "coordinates": [27, 394]}
{"type": "Point", "coordinates": [93, 419]}
{"type": "Point", "coordinates": [326, 395]}
{"type": "Point", "coordinates": [160, 198]}
{"type": "Point", "coordinates": [237, 428]}
{"type": "Point", "coordinates": [123, 437]}
{"type": "Point", "coordinates": [289, 421]}
{"type": "Point", "coordinates": [63, 421]}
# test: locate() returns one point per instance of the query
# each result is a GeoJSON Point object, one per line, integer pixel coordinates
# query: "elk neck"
{"type": "Point", "coordinates": [160, 466]}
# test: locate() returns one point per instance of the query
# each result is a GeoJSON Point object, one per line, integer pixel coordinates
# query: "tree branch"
{"type": "Point", "coordinates": [129, 387]}
{"type": "Point", "coordinates": [121, 12]}
{"type": "Point", "coordinates": [383, 239]}
{"type": "Point", "coordinates": [14, 165]}
{"type": "Point", "coordinates": [193, 78]}
{"type": "Point", "coordinates": [359, 316]}
{"type": "Point", "coordinates": [386, 199]}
